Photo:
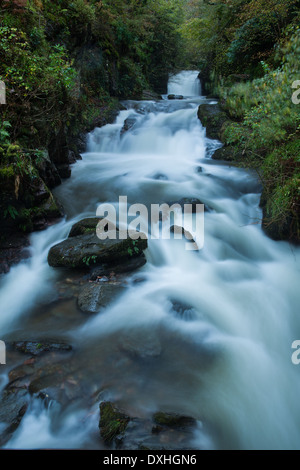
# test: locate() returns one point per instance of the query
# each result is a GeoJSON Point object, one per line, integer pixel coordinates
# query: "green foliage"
{"type": "Point", "coordinates": [134, 249]}
{"type": "Point", "coordinates": [87, 260]}
{"type": "Point", "coordinates": [266, 129]}
{"type": "Point", "coordinates": [265, 105]}
{"type": "Point", "coordinates": [254, 36]}
{"type": "Point", "coordinates": [11, 211]}
{"type": "Point", "coordinates": [4, 133]}
{"type": "Point", "coordinates": [31, 74]}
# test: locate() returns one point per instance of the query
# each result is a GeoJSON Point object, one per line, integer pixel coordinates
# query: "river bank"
{"type": "Point", "coordinates": [274, 168]}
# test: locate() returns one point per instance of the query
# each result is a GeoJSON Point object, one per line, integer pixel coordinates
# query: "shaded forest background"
{"type": "Point", "coordinates": [66, 65]}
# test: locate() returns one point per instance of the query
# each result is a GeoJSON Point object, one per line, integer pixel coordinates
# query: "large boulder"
{"type": "Point", "coordinates": [87, 250]}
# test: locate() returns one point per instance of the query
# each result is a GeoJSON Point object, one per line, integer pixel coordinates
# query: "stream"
{"type": "Point", "coordinates": [211, 330]}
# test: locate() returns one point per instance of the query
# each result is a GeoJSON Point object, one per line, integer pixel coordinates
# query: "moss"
{"type": "Point", "coordinates": [112, 423]}
{"type": "Point", "coordinates": [13, 150]}
{"type": "Point", "coordinates": [214, 119]}
{"type": "Point", "coordinates": [173, 420]}
{"type": "Point", "coordinates": [84, 226]}
{"type": "Point", "coordinates": [7, 172]}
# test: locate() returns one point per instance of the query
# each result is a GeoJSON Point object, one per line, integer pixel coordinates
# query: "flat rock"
{"type": "Point", "coordinates": [96, 296]}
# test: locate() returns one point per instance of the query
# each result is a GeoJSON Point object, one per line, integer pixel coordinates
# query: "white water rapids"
{"type": "Point", "coordinates": [226, 360]}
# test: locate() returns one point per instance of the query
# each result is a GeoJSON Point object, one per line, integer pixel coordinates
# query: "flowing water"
{"type": "Point", "coordinates": [215, 326]}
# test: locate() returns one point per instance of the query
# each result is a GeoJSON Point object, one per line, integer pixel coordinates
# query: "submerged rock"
{"type": "Point", "coordinates": [95, 296]}
{"type": "Point", "coordinates": [177, 229]}
{"type": "Point", "coordinates": [160, 177]}
{"type": "Point", "coordinates": [183, 310]}
{"type": "Point", "coordinates": [192, 201]}
{"type": "Point", "coordinates": [141, 345]}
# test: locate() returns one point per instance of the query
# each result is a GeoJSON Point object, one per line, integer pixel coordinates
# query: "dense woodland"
{"type": "Point", "coordinates": [66, 65]}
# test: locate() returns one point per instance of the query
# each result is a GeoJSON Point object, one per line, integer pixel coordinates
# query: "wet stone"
{"type": "Point", "coordinates": [36, 348]}
{"type": "Point", "coordinates": [96, 296]}
{"type": "Point", "coordinates": [13, 406]}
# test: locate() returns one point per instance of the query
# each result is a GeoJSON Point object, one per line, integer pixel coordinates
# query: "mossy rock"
{"type": "Point", "coordinates": [213, 119]}
{"type": "Point", "coordinates": [35, 348]}
{"type": "Point", "coordinates": [113, 422]}
{"type": "Point", "coordinates": [7, 172]}
{"type": "Point", "coordinates": [88, 250]}
{"type": "Point", "coordinates": [230, 153]}
{"type": "Point", "coordinates": [84, 226]}
{"type": "Point", "coordinates": [173, 420]}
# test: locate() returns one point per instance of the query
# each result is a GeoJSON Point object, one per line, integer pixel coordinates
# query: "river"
{"type": "Point", "coordinates": [216, 324]}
